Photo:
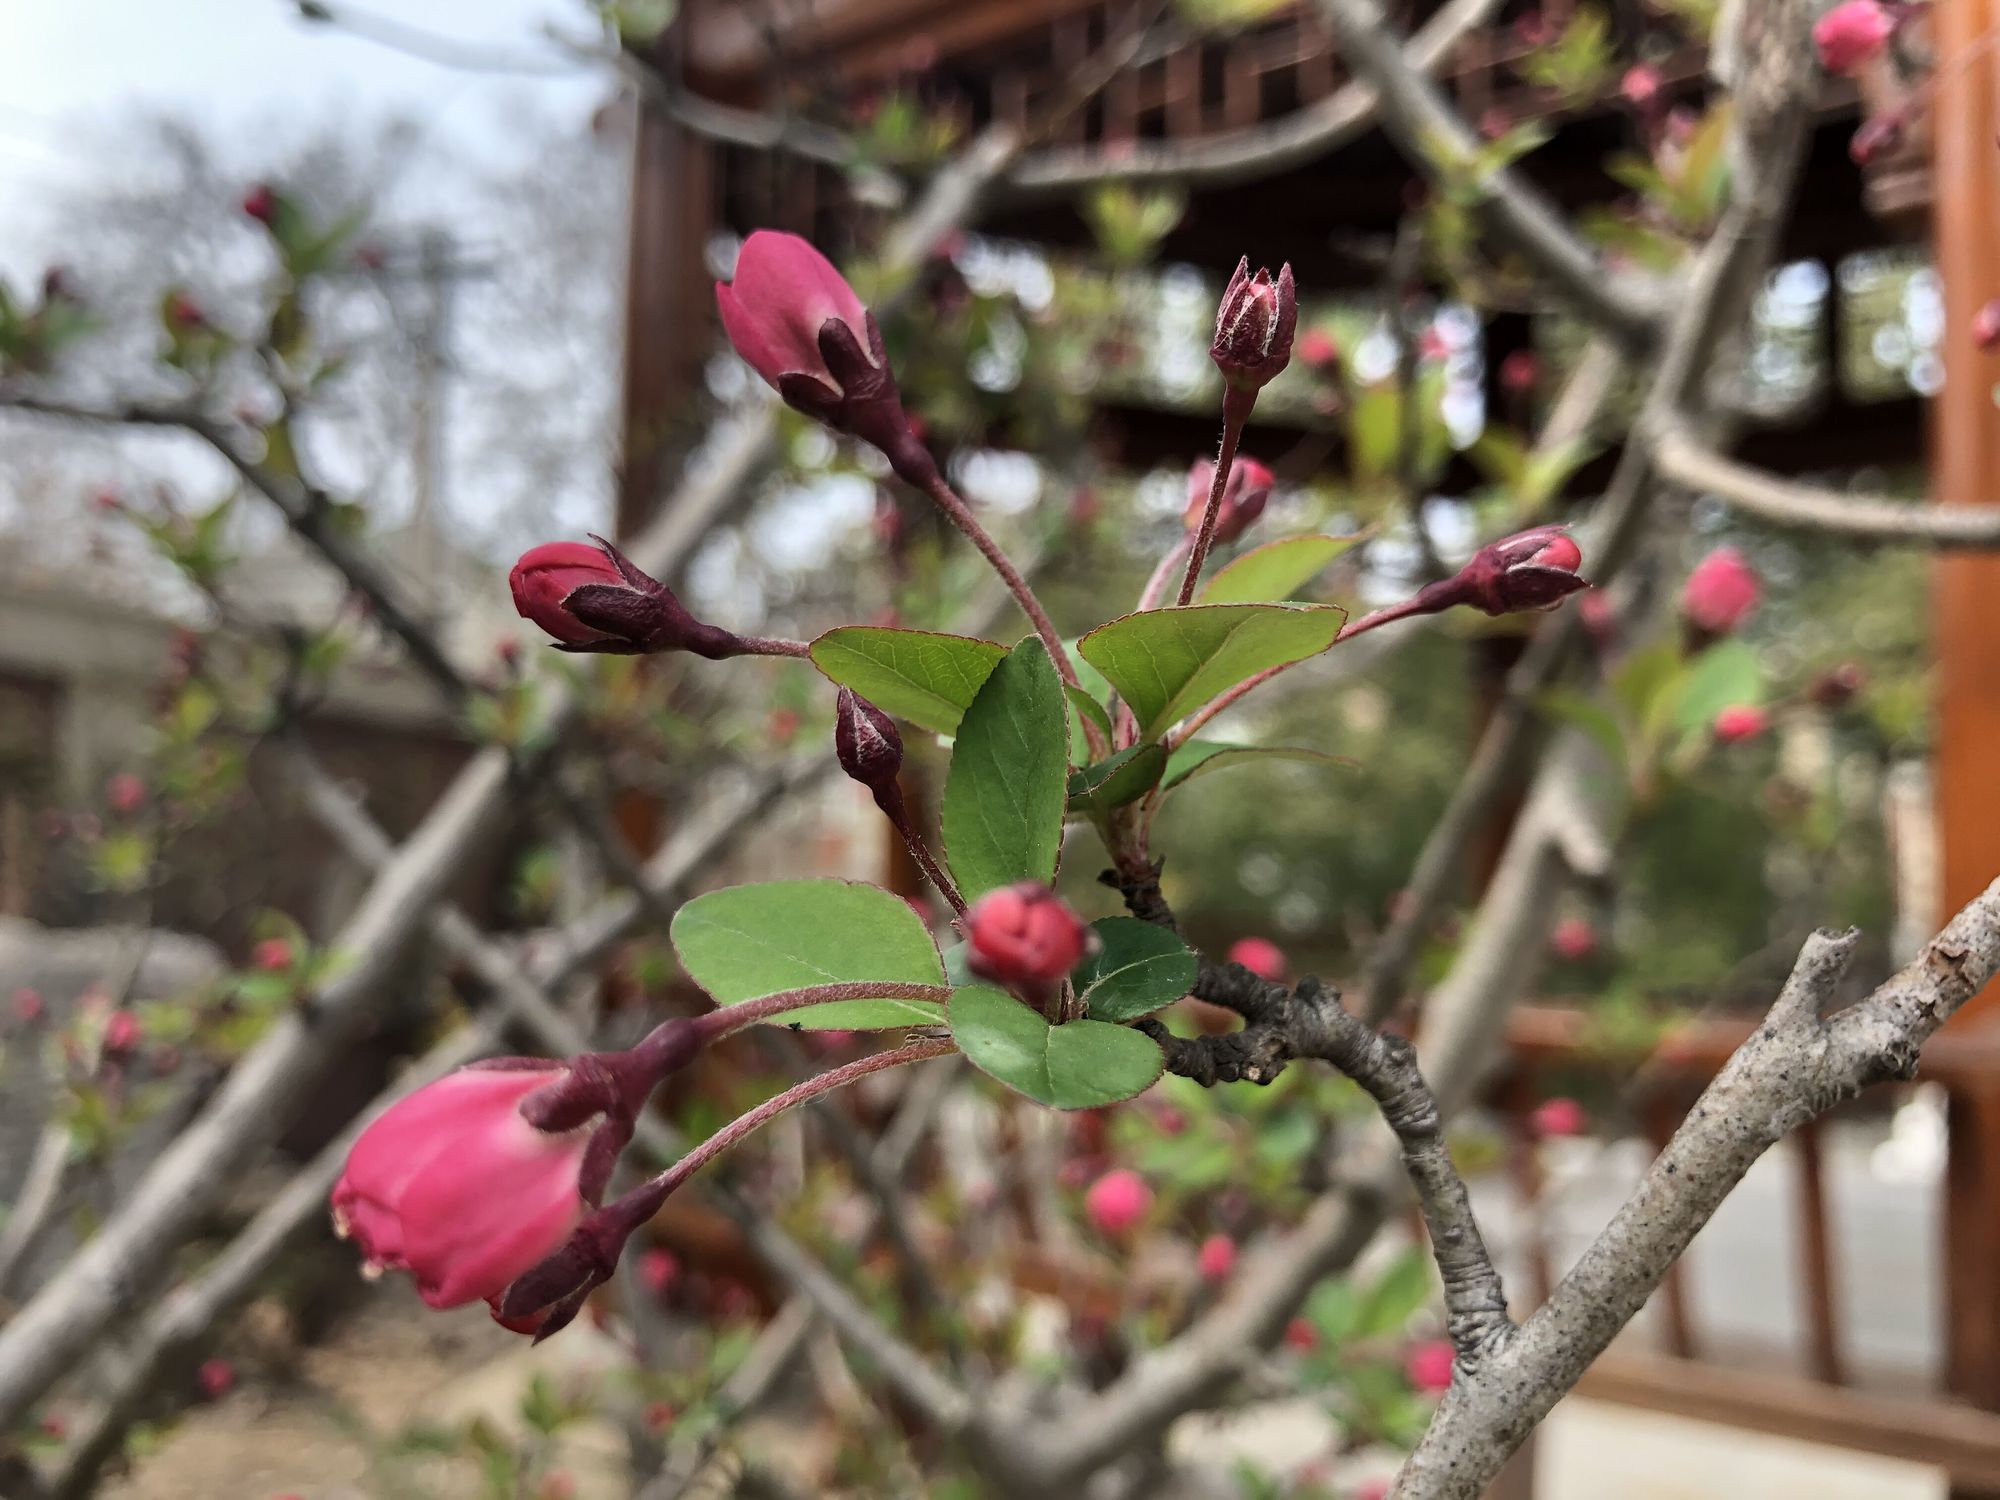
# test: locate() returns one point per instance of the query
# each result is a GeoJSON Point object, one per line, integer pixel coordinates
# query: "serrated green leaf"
{"type": "Point", "coordinates": [747, 941]}
{"type": "Point", "coordinates": [1005, 793]}
{"type": "Point", "coordinates": [1166, 663]}
{"type": "Point", "coordinates": [919, 675]}
{"type": "Point", "coordinates": [1199, 757]}
{"type": "Point", "coordinates": [1137, 968]}
{"type": "Point", "coordinates": [1274, 571]}
{"type": "Point", "coordinates": [1115, 780]}
{"type": "Point", "coordinates": [1083, 1065]}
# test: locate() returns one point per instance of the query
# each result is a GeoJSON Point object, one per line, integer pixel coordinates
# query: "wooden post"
{"type": "Point", "coordinates": [1966, 470]}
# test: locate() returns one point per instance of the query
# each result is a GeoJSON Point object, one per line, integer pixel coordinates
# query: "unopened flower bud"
{"type": "Point", "coordinates": [125, 793]}
{"type": "Point", "coordinates": [216, 1377]}
{"type": "Point", "coordinates": [1721, 593]}
{"type": "Point", "coordinates": [596, 599]}
{"type": "Point", "coordinates": [867, 742]}
{"type": "Point", "coordinates": [1641, 85]}
{"type": "Point", "coordinates": [1573, 939]}
{"type": "Point", "coordinates": [1837, 686]}
{"type": "Point", "coordinates": [261, 203]}
{"type": "Point", "coordinates": [1876, 134]}
{"type": "Point", "coordinates": [1534, 569]}
{"type": "Point", "coordinates": [1853, 33]}
{"type": "Point", "coordinates": [1556, 1118]}
{"type": "Point", "coordinates": [1243, 497]}
{"type": "Point", "coordinates": [1986, 326]}
{"type": "Point", "coordinates": [1740, 722]}
{"type": "Point", "coordinates": [1320, 350]}
{"type": "Point", "coordinates": [1520, 372]}
{"type": "Point", "coordinates": [122, 1032]}
{"type": "Point", "coordinates": [272, 955]}
{"type": "Point", "coordinates": [1428, 1366]}
{"type": "Point", "coordinates": [1117, 1201]}
{"type": "Point", "coordinates": [1217, 1258]}
{"type": "Point", "coordinates": [1254, 326]}
{"type": "Point", "coordinates": [1025, 935]}
{"type": "Point", "coordinates": [1261, 957]}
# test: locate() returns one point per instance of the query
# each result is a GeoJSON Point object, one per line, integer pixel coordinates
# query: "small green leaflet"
{"type": "Point", "coordinates": [1137, 968]}
{"type": "Point", "coordinates": [1116, 780]}
{"type": "Point", "coordinates": [918, 675]}
{"type": "Point", "coordinates": [1082, 1065]}
{"type": "Point", "coordinates": [748, 941]}
{"type": "Point", "coordinates": [1005, 793]}
{"type": "Point", "coordinates": [1274, 571]}
{"type": "Point", "coordinates": [1166, 663]}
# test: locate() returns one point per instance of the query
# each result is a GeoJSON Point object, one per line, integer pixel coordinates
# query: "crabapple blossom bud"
{"type": "Point", "coordinates": [1876, 134]}
{"type": "Point", "coordinates": [1117, 1201]}
{"type": "Point", "coordinates": [272, 955]}
{"type": "Point", "coordinates": [28, 1005]}
{"type": "Point", "coordinates": [1837, 686]}
{"type": "Point", "coordinates": [184, 313]}
{"type": "Point", "coordinates": [1428, 1366]}
{"type": "Point", "coordinates": [1432, 344]}
{"type": "Point", "coordinates": [261, 203]}
{"type": "Point", "coordinates": [1852, 34]}
{"type": "Point", "coordinates": [1025, 935]}
{"type": "Point", "coordinates": [122, 1032]}
{"type": "Point", "coordinates": [1520, 372]}
{"type": "Point", "coordinates": [1740, 722]}
{"type": "Point", "coordinates": [1559, 1117]}
{"type": "Point", "coordinates": [1533, 569]}
{"type": "Point", "coordinates": [595, 599]}
{"type": "Point", "coordinates": [1372, 1489]}
{"type": "Point", "coordinates": [216, 1377]}
{"type": "Point", "coordinates": [660, 1416]}
{"type": "Point", "coordinates": [1217, 1258]}
{"type": "Point", "coordinates": [795, 321]}
{"type": "Point", "coordinates": [125, 793]}
{"type": "Point", "coordinates": [866, 742]}
{"type": "Point", "coordinates": [1320, 350]}
{"type": "Point", "coordinates": [1244, 497]}
{"type": "Point", "coordinates": [1260, 956]}
{"type": "Point", "coordinates": [1986, 326]}
{"type": "Point", "coordinates": [1721, 593]}
{"type": "Point", "coordinates": [1641, 85]}
{"type": "Point", "coordinates": [1301, 1335]}
{"type": "Point", "coordinates": [1254, 326]}
{"type": "Point", "coordinates": [658, 1268]}
{"type": "Point", "coordinates": [1573, 939]}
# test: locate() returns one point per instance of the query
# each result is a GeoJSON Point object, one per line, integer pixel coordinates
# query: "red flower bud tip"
{"type": "Point", "coordinates": [796, 322]}
{"type": "Point", "coordinates": [1641, 85]}
{"type": "Point", "coordinates": [1372, 1489]}
{"type": "Point", "coordinates": [1721, 593]}
{"type": "Point", "coordinates": [1320, 350]}
{"type": "Point", "coordinates": [216, 1377]}
{"type": "Point", "coordinates": [1217, 1258]}
{"type": "Point", "coordinates": [261, 203]}
{"type": "Point", "coordinates": [1876, 134]}
{"type": "Point", "coordinates": [1117, 1202]}
{"type": "Point", "coordinates": [1986, 326]}
{"type": "Point", "coordinates": [1243, 497]}
{"type": "Point", "coordinates": [455, 1186]}
{"type": "Point", "coordinates": [782, 726]}
{"type": "Point", "coordinates": [1742, 722]}
{"type": "Point", "coordinates": [122, 1032]}
{"type": "Point", "coordinates": [1433, 345]}
{"type": "Point", "coordinates": [1495, 122]}
{"type": "Point", "coordinates": [1025, 935]}
{"type": "Point", "coordinates": [1560, 1117]}
{"type": "Point", "coordinates": [1301, 1335]}
{"type": "Point", "coordinates": [596, 599]}
{"type": "Point", "coordinates": [1260, 956]}
{"type": "Point", "coordinates": [107, 501]}
{"type": "Point", "coordinates": [557, 1486]}
{"type": "Point", "coordinates": [1573, 939]}
{"type": "Point", "coordinates": [55, 1427]}
{"type": "Point", "coordinates": [1837, 686]}
{"type": "Point", "coordinates": [1534, 29]}
{"type": "Point", "coordinates": [1254, 326]}
{"type": "Point", "coordinates": [1533, 569]}
{"type": "Point", "coordinates": [183, 312]}
{"type": "Point", "coordinates": [1428, 1366]}
{"type": "Point", "coordinates": [1520, 372]}
{"type": "Point", "coordinates": [28, 1005]}
{"type": "Point", "coordinates": [867, 743]}
{"type": "Point", "coordinates": [125, 793]}
{"type": "Point", "coordinates": [660, 1416]}
{"type": "Point", "coordinates": [272, 955]}
{"type": "Point", "coordinates": [371, 256]}
{"type": "Point", "coordinates": [507, 651]}
{"type": "Point", "coordinates": [1852, 34]}
{"type": "Point", "coordinates": [658, 1269]}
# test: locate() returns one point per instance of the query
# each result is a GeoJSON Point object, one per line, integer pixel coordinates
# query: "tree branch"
{"type": "Point", "coordinates": [1684, 460]}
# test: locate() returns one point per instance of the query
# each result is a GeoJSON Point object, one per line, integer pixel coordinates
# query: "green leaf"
{"type": "Point", "coordinates": [1726, 675]}
{"type": "Point", "coordinates": [748, 941]}
{"type": "Point", "coordinates": [1568, 706]}
{"type": "Point", "coordinates": [1083, 1065]}
{"type": "Point", "coordinates": [1166, 663]}
{"type": "Point", "coordinates": [1396, 1297]}
{"type": "Point", "coordinates": [1274, 571]}
{"type": "Point", "coordinates": [1115, 780]}
{"type": "Point", "coordinates": [1005, 793]}
{"type": "Point", "coordinates": [1137, 968]}
{"type": "Point", "coordinates": [1089, 708]}
{"type": "Point", "coordinates": [919, 675]}
{"type": "Point", "coordinates": [1199, 757]}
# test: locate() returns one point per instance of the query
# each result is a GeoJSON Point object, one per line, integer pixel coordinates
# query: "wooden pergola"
{"type": "Point", "coordinates": [1006, 59]}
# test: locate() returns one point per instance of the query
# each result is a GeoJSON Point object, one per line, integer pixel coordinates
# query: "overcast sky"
{"type": "Point", "coordinates": [71, 69]}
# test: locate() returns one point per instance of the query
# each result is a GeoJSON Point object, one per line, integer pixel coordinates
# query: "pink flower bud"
{"type": "Point", "coordinates": [658, 1269]}
{"type": "Point", "coordinates": [594, 599]}
{"type": "Point", "coordinates": [1876, 134]}
{"type": "Point", "coordinates": [1432, 345]}
{"type": "Point", "coordinates": [1557, 1118]}
{"type": "Point", "coordinates": [1573, 939]}
{"type": "Point", "coordinates": [28, 1005]}
{"type": "Point", "coordinates": [1852, 34]}
{"type": "Point", "coordinates": [1641, 85]}
{"type": "Point", "coordinates": [1243, 497]}
{"type": "Point", "coordinates": [1254, 326]}
{"type": "Point", "coordinates": [796, 322]}
{"type": "Point", "coordinates": [660, 1416]}
{"type": "Point", "coordinates": [184, 313]}
{"type": "Point", "coordinates": [261, 203]}
{"type": "Point", "coordinates": [1372, 1489]}
{"type": "Point", "coordinates": [1217, 1258]}
{"type": "Point", "coordinates": [1837, 686]}
{"type": "Point", "coordinates": [122, 1032]}
{"type": "Point", "coordinates": [1428, 1366]}
{"type": "Point", "coordinates": [1722, 592]}
{"type": "Point", "coordinates": [1025, 935]}
{"type": "Point", "coordinates": [1320, 350]}
{"type": "Point", "coordinates": [1520, 372]}
{"type": "Point", "coordinates": [1741, 722]}
{"type": "Point", "coordinates": [1261, 957]}
{"type": "Point", "coordinates": [125, 793]}
{"type": "Point", "coordinates": [1117, 1201]}
{"type": "Point", "coordinates": [216, 1377]}
{"type": "Point", "coordinates": [272, 955]}
{"type": "Point", "coordinates": [107, 501]}
{"type": "Point", "coordinates": [1986, 326]}
{"type": "Point", "coordinates": [866, 742]}
{"type": "Point", "coordinates": [1533, 569]}
{"type": "Point", "coordinates": [1301, 1335]}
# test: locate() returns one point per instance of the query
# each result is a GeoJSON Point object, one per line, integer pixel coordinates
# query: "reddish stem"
{"type": "Point", "coordinates": [1236, 406]}
{"type": "Point", "coordinates": [725, 1019]}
